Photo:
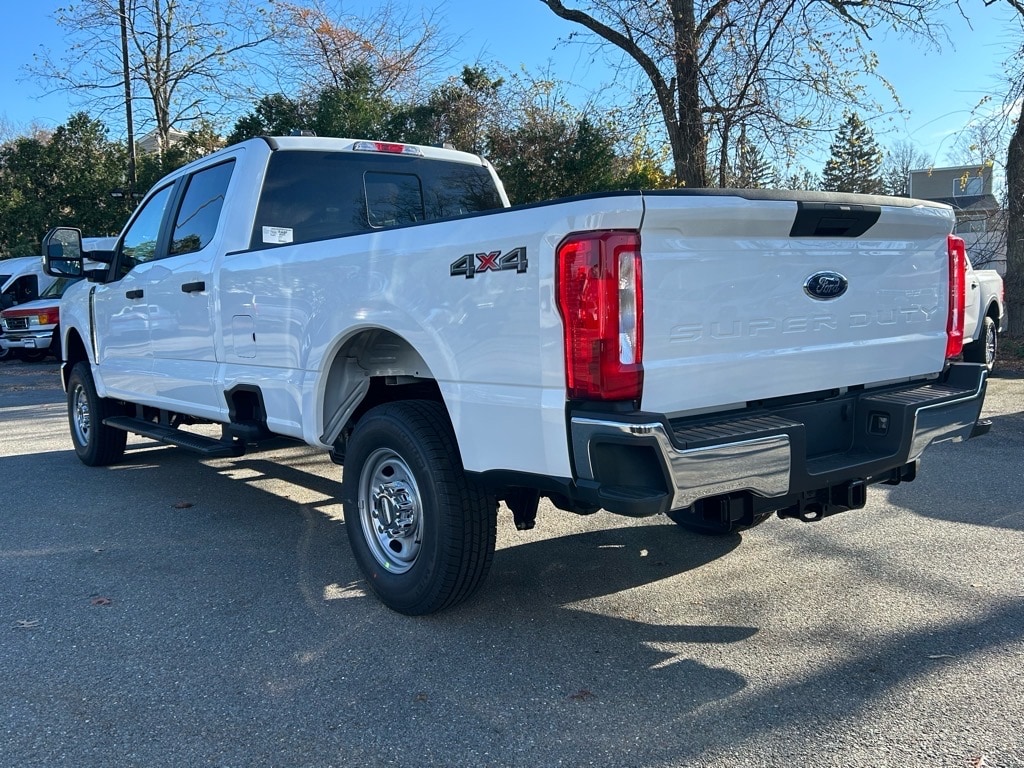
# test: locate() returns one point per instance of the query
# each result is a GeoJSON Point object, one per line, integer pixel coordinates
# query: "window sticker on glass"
{"type": "Point", "coordinates": [277, 235]}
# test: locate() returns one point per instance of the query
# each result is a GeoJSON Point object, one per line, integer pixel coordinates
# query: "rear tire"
{"type": "Point", "coordinates": [95, 443]}
{"type": "Point", "coordinates": [421, 530]}
{"type": "Point", "coordinates": [984, 350]}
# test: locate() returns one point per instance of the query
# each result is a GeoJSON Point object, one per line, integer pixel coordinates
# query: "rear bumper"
{"type": "Point", "coordinates": [640, 464]}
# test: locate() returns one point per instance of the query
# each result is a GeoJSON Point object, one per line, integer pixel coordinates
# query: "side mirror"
{"type": "Point", "coordinates": [62, 252]}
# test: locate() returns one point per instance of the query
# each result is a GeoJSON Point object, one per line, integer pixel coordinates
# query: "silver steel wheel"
{"type": "Point", "coordinates": [390, 510]}
{"type": "Point", "coordinates": [81, 417]}
{"type": "Point", "coordinates": [990, 344]}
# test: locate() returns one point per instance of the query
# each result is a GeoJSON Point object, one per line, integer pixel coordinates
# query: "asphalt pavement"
{"type": "Point", "coordinates": [169, 611]}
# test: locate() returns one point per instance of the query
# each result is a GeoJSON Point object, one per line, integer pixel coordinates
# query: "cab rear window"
{"type": "Point", "coordinates": [311, 195]}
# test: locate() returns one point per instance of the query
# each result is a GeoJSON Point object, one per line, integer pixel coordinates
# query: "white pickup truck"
{"type": "Point", "coordinates": [984, 317]}
{"type": "Point", "coordinates": [714, 355]}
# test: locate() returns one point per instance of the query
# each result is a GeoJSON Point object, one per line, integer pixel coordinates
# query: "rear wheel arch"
{"type": "Point", "coordinates": [993, 312]}
{"type": "Point", "coordinates": [369, 368]}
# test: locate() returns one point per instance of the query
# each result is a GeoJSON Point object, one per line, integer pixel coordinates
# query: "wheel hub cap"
{"type": "Point", "coordinates": [394, 510]}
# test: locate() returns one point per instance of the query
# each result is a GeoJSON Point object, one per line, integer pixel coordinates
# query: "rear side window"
{"type": "Point", "coordinates": [199, 214]}
{"type": "Point", "coordinates": [311, 195]}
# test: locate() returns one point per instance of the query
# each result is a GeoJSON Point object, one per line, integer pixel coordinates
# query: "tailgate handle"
{"type": "Point", "coordinates": [195, 287]}
{"type": "Point", "coordinates": [133, 294]}
{"type": "Point", "coordinates": [833, 219]}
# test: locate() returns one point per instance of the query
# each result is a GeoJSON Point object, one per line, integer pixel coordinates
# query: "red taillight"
{"type": "Point", "coordinates": [957, 290]}
{"type": "Point", "coordinates": [600, 298]}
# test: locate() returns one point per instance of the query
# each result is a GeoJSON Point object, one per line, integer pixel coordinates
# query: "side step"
{"type": "Point", "coordinates": [209, 447]}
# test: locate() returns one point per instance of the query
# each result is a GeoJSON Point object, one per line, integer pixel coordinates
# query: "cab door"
{"type": "Point", "coordinates": [179, 297]}
{"type": "Point", "coordinates": [119, 307]}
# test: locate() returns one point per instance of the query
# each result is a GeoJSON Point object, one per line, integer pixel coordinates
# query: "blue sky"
{"type": "Point", "coordinates": [939, 89]}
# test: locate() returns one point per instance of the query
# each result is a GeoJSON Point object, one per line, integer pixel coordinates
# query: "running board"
{"type": "Point", "coordinates": [209, 447]}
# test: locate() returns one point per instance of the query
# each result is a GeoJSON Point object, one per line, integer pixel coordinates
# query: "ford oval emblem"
{"type": "Point", "coordinates": [825, 285]}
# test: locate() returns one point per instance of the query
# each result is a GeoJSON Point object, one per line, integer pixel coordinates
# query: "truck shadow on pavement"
{"type": "Point", "coordinates": [248, 602]}
{"type": "Point", "coordinates": [977, 481]}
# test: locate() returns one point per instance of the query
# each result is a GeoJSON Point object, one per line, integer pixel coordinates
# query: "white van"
{"type": "Point", "coordinates": [21, 280]}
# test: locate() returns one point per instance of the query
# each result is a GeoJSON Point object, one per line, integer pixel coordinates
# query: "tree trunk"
{"type": "Point", "coordinates": [691, 161]}
{"type": "Point", "coordinates": [1015, 230]}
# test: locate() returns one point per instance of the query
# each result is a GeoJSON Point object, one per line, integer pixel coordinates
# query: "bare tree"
{"type": "Point", "coordinates": [719, 68]}
{"type": "Point", "coordinates": [183, 56]}
{"type": "Point", "coordinates": [980, 147]}
{"type": "Point", "coordinates": [902, 158]}
{"type": "Point", "coordinates": [322, 45]}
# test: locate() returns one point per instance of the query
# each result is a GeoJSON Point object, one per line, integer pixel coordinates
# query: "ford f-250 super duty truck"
{"type": "Point", "coordinates": [718, 356]}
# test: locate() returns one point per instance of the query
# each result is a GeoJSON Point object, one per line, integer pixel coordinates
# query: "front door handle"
{"type": "Point", "coordinates": [195, 287]}
{"type": "Point", "coordinates": [134, 294]}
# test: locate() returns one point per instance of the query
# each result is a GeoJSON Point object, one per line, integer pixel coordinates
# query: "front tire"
{"type": "Point", "coordinates": [95, 443]}
{"type": "Point", "coordinates": [985, 348]}
{"type": "Point", "coordinates": [421, 531]}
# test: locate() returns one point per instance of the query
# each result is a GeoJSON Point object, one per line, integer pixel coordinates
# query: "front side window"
{"type": "Point", "coordinates": [25, 288]}
{"type": "Point", "coordinates": [140, 241]}
{"type": "Point", "coordinates": [197, 219]}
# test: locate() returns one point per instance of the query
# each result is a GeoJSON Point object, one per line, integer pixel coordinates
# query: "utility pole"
{"type": "Point", "coordinates": [127, 100]}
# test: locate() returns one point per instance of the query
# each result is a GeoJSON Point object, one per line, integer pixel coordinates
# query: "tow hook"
{"type": "Point", "coordinates": [523, 502]}
{"type": "Point", "coordinates": [818, 505]}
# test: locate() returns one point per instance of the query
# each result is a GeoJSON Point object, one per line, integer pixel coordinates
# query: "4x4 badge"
{"type": "Point", "coordinates": [471, 264]}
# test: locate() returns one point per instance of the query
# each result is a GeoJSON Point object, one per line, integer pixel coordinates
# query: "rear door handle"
{"type": "Point", "coordinates": [134, 294]}
{"type": "Point", "coordinates": [195, 287]}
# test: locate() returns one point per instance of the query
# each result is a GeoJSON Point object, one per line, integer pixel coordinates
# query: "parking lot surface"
{"type": "Point", "coordinates": [169, 611]}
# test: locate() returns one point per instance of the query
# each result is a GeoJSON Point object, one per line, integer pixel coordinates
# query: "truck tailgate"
{"type": "Point", "coordinates": [727, 318]}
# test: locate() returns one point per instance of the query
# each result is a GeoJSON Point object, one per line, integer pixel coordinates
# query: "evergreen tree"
{"type": "Point", "coordinates": [856, 161]}
{"type": "Point", "coordinates": [752, 169]}
{"type": "Point", "coordinates": [801, 179]}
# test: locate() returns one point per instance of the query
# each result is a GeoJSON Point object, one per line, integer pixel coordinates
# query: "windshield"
{"type": "Point", "coordinates": [57, 288]}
